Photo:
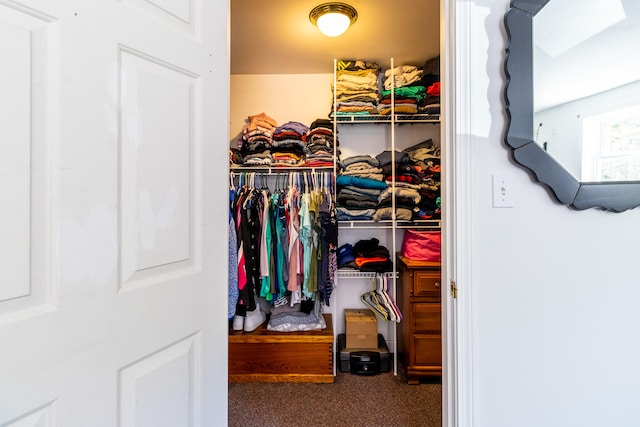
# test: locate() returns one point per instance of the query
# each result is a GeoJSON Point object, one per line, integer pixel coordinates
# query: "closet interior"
{"type": "Point", "coordinates": [328, 173]}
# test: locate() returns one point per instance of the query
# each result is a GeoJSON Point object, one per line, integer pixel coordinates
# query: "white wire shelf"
{"type": "Point", "coordinates": [421, 223]}
{"type": "Point", "coordinates": [398, 118]}
{"type": "Point", "coordinates": [278, 169]}
{"type": "Point", "coordinates": [365, 224]}
{"type": "Point", "coordinates": [436, 223]}
{"type": "Point", "coordinates": [355, 274]}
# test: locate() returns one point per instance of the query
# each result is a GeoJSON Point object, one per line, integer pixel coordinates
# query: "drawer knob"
{"type": "Point", "coordinates": [437, 285]}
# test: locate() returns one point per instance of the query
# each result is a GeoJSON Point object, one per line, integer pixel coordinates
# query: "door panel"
{"type": "Point", "coordinates": [28, 84]}
{"type": "Point", "coordinates": [162, 388]}
{"type": "Point", "coordinates": [157, 169]}
{"type": "Point", "coordinates": [113, 295]}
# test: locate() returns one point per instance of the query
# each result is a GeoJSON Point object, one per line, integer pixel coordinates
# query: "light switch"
{"type": "Point", "coordinates": [502, 191]}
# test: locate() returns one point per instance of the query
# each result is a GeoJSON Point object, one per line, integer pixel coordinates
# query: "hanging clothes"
{"type": "Point", "coordinates": [329, 246]}
{"type": "Point", "coordinates": [296, 272]}
{"type": "Point", "coordinates": [233, 262]}
{"type": "Point", "coordinates": [286, 240]}
{"type": "Point", "coordinates": [266, 254]}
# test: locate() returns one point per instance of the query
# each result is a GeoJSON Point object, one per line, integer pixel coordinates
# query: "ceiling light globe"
{"type": "Point", "coordinates": [333, 24]}
{"type": "Point", "coordinates": [333, 18]}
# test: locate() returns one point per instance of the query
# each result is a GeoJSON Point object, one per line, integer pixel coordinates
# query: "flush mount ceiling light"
{"type": "Point", "coordinates": [333, 19]}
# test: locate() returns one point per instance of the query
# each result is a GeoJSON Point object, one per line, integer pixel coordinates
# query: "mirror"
{"type": "Point", "coordinates": [576, 131]}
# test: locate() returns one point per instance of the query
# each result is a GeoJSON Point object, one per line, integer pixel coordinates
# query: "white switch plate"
{"type": "Point", "coordinates": [502, 191]}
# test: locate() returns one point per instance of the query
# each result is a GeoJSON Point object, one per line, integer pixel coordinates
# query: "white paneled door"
{"type": "Point", "coordinates": [113, 152]}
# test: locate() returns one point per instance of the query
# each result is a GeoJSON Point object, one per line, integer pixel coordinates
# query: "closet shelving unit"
{"type": "Point", "coordinates": [391, 120]}
{"type": "Point", "coordinates": [316, 343]}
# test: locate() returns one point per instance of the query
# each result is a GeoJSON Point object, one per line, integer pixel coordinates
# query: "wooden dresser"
{"type": "Point", "coordinates": [269, 356]}
{"type": "Point", "coordinates": [420, 335]}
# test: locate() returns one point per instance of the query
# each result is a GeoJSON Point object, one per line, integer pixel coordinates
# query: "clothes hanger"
{"type": "Point", "coordinates": [306, 182]}
{"type": "Point", "coordinates": [384, 299]}
{"type": "Point", "coordinates": [290, 190]}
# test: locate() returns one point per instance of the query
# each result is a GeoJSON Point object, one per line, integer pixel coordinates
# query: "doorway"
{"type": "Point", "coordinates": [246, 100]}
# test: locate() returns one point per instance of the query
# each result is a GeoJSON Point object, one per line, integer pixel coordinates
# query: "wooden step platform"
{"type": "Point", "coordinates": [269, 356]}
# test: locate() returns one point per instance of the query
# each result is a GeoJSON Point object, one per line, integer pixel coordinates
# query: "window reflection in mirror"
{"type": "Point", "coordinates": [611, 146]}
{"type": "Point", "coordinates": [587, 73]}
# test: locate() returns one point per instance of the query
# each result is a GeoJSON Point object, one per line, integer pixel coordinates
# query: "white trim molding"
{"type": "Point", "coordinates": [457, 312]}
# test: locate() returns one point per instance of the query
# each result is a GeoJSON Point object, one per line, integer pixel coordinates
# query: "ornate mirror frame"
{"type": "Point", "coordinates": [613, 196]}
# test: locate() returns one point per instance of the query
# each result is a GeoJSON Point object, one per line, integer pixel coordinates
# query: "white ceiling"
{"type": "Point", "coordinates": [276, 36]}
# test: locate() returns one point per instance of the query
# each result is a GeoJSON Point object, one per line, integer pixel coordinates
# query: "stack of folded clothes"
{"type": "Point", "coordinates": [408, 94]}
{"type": "Point", "coordinates": [363, 166]}
{"type": "Point", "coordinates": [402, 75]}
{"type": "Point", "coordinates": [359, 185]}
{"type": "Point", "coordinates": [320, 141]}
{"type": "Point", "coordinates": [257, 137]}
{"type": "Point", "coordinates": [235, 157]}
{"type": "Point", "coordinates": [346, 259]}
{"type": "Point", "coordinates": [431, 80]}
{"type": "Point", "coordinates": [365, 255]}
{"type": "Point", "coordinates": [405, 200]}
{"type": "Point", "coordinates": [288, 146]}
{"type": "Point", "coordinates": [356, 88]}
{"type": "Point", "coordinates": [425, 157]}
{"type": "Point", "coordinates": [416, 90]}
{"type": "Point", "coordinates": [407, 100]}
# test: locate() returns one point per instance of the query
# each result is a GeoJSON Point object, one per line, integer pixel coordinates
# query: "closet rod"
{"type": "Point", "coordinates": [279, 171]}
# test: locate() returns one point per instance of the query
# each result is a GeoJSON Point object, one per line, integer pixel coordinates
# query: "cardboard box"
{"type": "Point", "coordinates": [361, 327]}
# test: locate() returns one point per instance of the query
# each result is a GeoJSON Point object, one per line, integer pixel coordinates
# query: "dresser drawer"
{"type": "Point", "coordinates": [428, 350]}
{"type": "Point", "coordinates": [426, 284]}
{"type": "Point", "coordinates": [426, 318]}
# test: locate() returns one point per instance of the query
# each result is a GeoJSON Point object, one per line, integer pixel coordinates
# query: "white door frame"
{"type": "Point", "coordinates": [457, 385]}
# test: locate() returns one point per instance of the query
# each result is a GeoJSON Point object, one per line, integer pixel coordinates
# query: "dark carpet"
{"type": "Point", "coordinates": [351, 401]}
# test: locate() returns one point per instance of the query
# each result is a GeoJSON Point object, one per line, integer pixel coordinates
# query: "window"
{"type": "Point", "coordinates": [611, 149]}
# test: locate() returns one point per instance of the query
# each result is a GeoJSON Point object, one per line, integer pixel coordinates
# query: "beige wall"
{"type": "Point", "coordinates": [292, 97]}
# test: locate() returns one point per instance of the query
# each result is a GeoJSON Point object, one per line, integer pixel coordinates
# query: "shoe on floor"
{"type": "Point", "coordinates": [254, 319]}
{"type": "Point", "coordinates": [238, 323]}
